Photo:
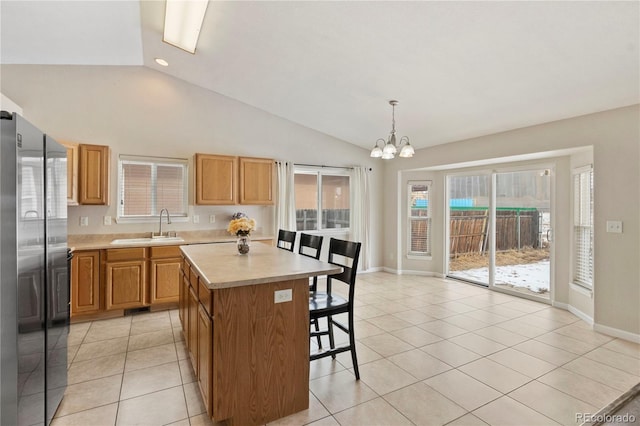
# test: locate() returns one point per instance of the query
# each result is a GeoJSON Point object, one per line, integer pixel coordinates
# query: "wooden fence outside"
{"type": "Point", "coordinates": [515, 229]}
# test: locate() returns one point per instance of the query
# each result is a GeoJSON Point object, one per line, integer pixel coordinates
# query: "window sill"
{"type": "Point", "coordinates": [581, 289]}
{"type": "Point", "coordinates": [418, 257]}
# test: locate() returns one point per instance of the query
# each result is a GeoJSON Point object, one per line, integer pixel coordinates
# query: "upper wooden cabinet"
{"type": "Point", "coordinates": [72, 172]}
{"type": "Point", "coordinates": [93, 183]}
{"type": "Point", "coordinates": [216, 179]}
{"type": "Point", "coordinates": [256, 181]}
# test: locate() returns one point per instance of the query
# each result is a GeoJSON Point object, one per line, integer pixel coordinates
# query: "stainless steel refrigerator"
{"type": "Point", "coordinates": [34, 274]}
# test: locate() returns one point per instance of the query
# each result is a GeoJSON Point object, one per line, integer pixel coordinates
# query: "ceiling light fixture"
{"type": "Point", "coordinates": [389, 147]}
{"type": "Point", "coordinates": [162, 62]}
{"type": "Point", "coordinates": [182, 23]}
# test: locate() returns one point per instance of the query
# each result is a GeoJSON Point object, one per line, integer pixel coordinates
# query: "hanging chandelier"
{"type": "Point", "coordinates": [389, 148]}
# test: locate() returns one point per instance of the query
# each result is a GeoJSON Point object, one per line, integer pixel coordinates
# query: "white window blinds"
{"type": "Point", "coordinates": [583, 227]}
{"type": "Point", "coordinates": [146, 185]}
{"type": "Point", "coordinates": [419, 227]}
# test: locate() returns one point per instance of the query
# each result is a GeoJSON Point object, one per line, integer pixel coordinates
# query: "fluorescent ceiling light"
{"type": "Point", "coordinates": [182, 23]}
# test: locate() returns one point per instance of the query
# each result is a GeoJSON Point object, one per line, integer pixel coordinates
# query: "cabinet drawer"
{"type": "Point", "coordinates": [165, 251]}
{"type": "Point", "coordinates": [206, 297]}
{"type": "Point", "coordinates": [134, 253]}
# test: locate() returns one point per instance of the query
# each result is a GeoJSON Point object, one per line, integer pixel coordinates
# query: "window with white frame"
{"type": "Point", "coordinates": [583, 226]}
{"type": "Point", "coordinates": [322, 197]}
{"type": "Point", "coordinates": [419, 212]}
{"type": "Point", "coordinates": [147, 185]}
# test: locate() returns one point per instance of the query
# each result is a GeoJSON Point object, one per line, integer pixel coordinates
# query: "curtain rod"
{"type": "Point", "coordinates": [323, 166]}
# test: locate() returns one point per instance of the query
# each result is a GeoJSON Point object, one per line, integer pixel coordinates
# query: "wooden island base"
{"type": "Point", "coordinates": [249, 353]}
{"type": "Point", "coordinates": [262, 349]}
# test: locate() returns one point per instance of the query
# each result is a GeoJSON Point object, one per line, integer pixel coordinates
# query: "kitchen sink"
{"type": "Point", "coordinates": [148, 240]}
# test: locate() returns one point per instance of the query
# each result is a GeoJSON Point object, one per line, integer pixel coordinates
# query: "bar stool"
{"type": "Point", "coordinates": [286, 240]}
{"type": "Point", "coordinates": [311, 246]}
{"type": "Point", "coordinates": [326, 305]}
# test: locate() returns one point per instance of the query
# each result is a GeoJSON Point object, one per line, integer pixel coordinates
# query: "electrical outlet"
{"type": "Point", "coordinates": [196, 218]}
{"type": "Point", "coordinates": [106, 220]}
{"type": "Point", "coordinates": [212, 218]}
{"type": "Point", "coordinates": [84, 221]}
{"type": "Point", "coordinates": [283, 296]}
{"type": "Point", "coordinates": [614, 226]}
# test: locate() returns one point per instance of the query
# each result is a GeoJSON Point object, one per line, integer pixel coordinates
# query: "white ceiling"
{"type": "Point", "coordinates": [459, 69]}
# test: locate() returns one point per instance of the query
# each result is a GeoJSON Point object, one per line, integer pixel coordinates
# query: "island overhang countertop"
{"type": "Point", "coordinates": [220, 265]}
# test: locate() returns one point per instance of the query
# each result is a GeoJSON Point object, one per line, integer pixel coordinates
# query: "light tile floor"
{"type": "Point", "coordinates": [431, 352]}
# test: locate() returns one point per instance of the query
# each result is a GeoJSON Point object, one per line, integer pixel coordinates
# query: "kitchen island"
{"type": "Point", "coordinates": [245, 319]}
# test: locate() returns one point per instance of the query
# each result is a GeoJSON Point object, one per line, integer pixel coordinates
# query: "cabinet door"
{"type": "Point", "coordinates": [165, 280]}
{"type": "Point", "coordinates": [216, 179]}
{"type": "Point", "coordinates": [205, 358]}
{"type": "Point", "coordinates": [256, 181]}
{"type": "Point", "coordinates": [125, 284]}
{"type": "Point", "coordinates": [85, 282]}
{"type": "Point", "coordinates": [184, 305]}
{"type": "Point", "coordinates": [93, 183]}
{"type": "Point", "coordinates": [72, 172]}
{"type": "Point", "coordinates": [192, 339]}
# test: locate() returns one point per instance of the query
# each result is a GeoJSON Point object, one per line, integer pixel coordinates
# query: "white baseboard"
{"type": "Point", "coordinates": [584, 317]}
{"type": "Point", "coordinates": [560, 305]}
{"type": "Point", "coordinates": [370, 270]}
{"type": "Point", "coordinates": [616, 332]}
{"type": "Point", "coordinates": [419, 273]}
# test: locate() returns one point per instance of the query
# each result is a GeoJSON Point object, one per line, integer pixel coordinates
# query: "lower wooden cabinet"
{"type": "Point", "coordinates": [85, 282]}
{"type": "Point", "coordinates": [164, 278]}
{"type": "Point", "coordinates": [192, 329]}
{"type": "Point", "coordinates": [125, 284]}
{"type": "Point", "coordinates": [105, 281]}
{"type": "Point", "coordinates": [205, 358]}
{"type": "Point", "coordinates": [183, 304]}
{"type": "Point", "coordinates": [125, 278]}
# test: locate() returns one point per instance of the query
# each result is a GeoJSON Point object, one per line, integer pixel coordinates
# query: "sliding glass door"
{"type": "Point", "coordinates": [469, 199]}
{"type": "Point", "coordinates": [500, 230]}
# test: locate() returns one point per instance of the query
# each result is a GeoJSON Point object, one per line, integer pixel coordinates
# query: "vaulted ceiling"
{"type": "Point", "coordinates": [458, 69]}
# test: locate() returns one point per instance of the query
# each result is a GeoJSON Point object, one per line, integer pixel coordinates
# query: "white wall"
{"type": "Point", "coordinates": [615, 138]}
{"type": "Point", "coordinates": [139, 111]}
{"type": "Point", "coordinates": [7, 104]}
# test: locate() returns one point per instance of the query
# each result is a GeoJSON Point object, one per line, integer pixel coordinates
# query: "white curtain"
{"type": "Point", "coordinates": [360, 219]}
{"type": "Point", "coordinates": [286, 205]}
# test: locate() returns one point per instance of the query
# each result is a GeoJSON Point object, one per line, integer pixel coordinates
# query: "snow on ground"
{"type": "Point", "coordinates": [534, 276]}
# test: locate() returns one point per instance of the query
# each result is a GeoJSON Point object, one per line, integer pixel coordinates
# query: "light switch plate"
{"type": "Point", "coordinates": [84, 221]}
{"type": "Point", "coordinates": [196, 218]}
{"type": "Point", "coordinates": [283, 296]}
{"type": "Point", "coordinates": [614, 226]}
{"type": "Point", "coordinates": [106, 220]}
{"type": "Point", "coordinates": [212, 218]}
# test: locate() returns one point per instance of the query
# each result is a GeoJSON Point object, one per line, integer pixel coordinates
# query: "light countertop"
{"type": "Point", "coordinates": [220, 265]}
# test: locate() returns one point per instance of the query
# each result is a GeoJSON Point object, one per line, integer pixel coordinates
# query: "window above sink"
{"type": "Point", "coordinates": [146, 185]}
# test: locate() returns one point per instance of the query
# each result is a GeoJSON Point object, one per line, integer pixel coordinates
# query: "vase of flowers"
{"type": "Point", "coordinates": [241, 226]}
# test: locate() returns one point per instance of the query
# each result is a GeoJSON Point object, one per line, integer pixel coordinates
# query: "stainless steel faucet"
{"type": "Point", "coordinates": [168, 220]}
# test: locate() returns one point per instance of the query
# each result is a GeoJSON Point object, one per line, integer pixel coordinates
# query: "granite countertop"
{"type": "Point", "coordinates": [103, 241]}
{"type": "Point", "coordinates": [220, 265]}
